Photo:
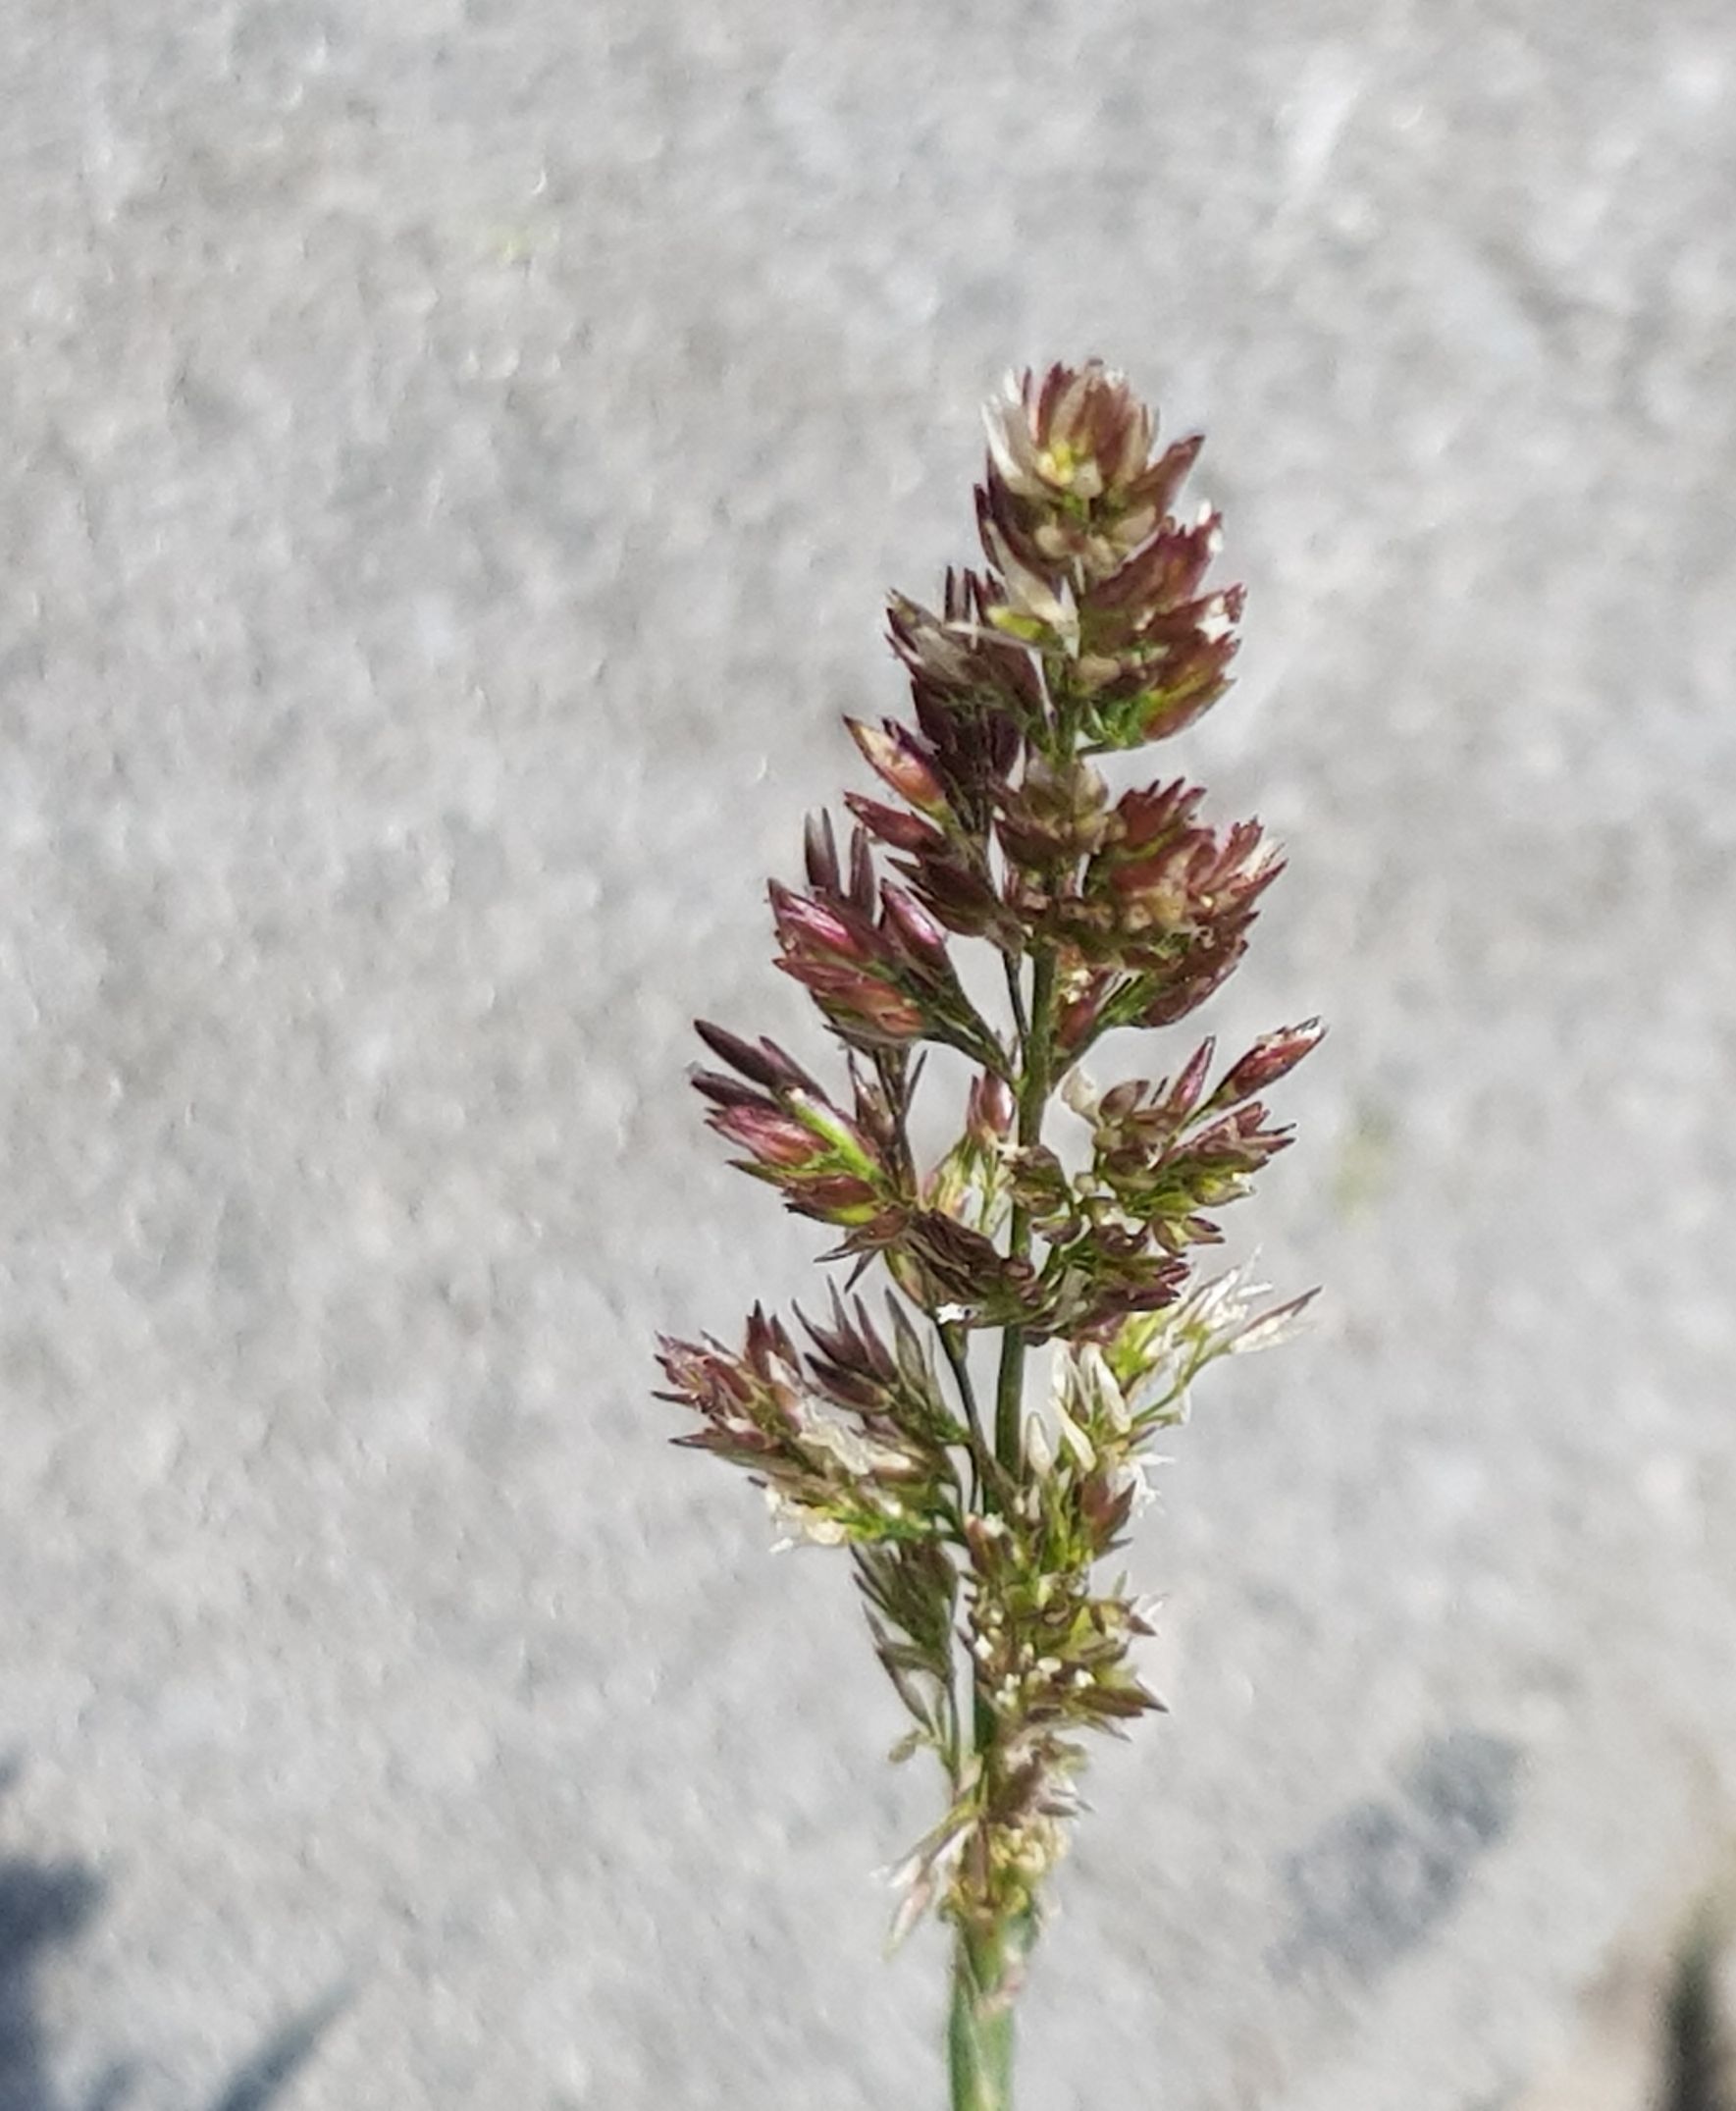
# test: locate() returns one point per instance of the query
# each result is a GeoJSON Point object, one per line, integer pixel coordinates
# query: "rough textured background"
{"type": "Point", "coordinates": [455, 451]}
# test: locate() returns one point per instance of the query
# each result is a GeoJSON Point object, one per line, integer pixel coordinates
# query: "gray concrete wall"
{"type": "Point", "coordinates": [455, 451]}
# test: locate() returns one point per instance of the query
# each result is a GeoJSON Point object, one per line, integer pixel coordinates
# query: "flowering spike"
{"type": "Point", "coordinates": [1092, 625]}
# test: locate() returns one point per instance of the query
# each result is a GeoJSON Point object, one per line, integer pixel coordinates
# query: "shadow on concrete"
{"type": "Point", "coordinates": [44, 1905]}
{"type": "Point", "coordinates": [1700, 2070]}
{"type": "Point", "coordinates": [1382, 1876]}
{"type": "Point", "coordinates": [280, 2059]}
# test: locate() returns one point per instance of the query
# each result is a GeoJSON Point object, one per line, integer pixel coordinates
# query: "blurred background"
{"type": "Point", "coordinates": [454, 453]}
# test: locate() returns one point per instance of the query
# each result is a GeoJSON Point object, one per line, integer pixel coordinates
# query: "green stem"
{"type": "Point", "coordinates": [981, 1458]}
{"type": "Point", "coordinates": [979, 2037]}
{"type": "Point", "coordinates": [1034, 1083]}
{"type": "Point", "coordinates": [1016, 997]}
{"type": "Point", "coordinates": [979, 2034]}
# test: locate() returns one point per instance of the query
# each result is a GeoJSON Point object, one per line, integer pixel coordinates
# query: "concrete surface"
{"type": "Point", "coordinates": [455, 452]}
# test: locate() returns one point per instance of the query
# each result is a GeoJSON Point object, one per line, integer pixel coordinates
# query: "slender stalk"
{"type": "Point", "coordinates": [1016, 996]}
{"type": "Point", "coordinates": [980, 2032]}
{"type": "Point", "coordinates": [1034, 1083]}
{"type": "Point", "coordinates": [981, 1458]}
{"type": "Point", "coordinates": [980, 2036]}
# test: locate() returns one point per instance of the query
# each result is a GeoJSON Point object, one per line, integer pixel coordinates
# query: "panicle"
{"type": "Point", "coordinates": [1092, 625]}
